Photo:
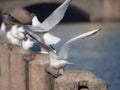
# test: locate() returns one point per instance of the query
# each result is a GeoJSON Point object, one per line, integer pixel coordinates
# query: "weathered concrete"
{"type": "Point", "coordinates": [38, 78]}
{"type": "Point", "coordinates": [79, 80]}
{"type": "Point", "coordinates": [17, 69]}
{"type": "Point", "coordinates": [4, 68]}
{"type": "Point", "coordinates": [17, 74]}
{"type": "Point", "coordinates": [12, 69]}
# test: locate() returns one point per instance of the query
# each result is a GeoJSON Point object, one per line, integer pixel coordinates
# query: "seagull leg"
{"type": "Point", "coordinates": [61, 70]}
{"type": "Point", "coordinates": [57, 73]}
{"type": "Point", "coordinates": [32, 56]}
{"type": "Point", "coordinates": [29, 57]}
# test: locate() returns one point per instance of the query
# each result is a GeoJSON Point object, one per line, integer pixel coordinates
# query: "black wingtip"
{"type": "Point", "coordinates": [99, 29]}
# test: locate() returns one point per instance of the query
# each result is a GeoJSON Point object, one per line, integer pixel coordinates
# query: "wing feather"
{"type": "Point", "coordinates": [65, 47]}
{"type": "Point", "coordinates": [56, 16]}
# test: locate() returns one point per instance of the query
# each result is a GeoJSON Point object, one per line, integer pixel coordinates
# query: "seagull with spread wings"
{"type": "Point", "coordinates": [50, 22]}
{"type": "Point", "coordinates": [59, 62]}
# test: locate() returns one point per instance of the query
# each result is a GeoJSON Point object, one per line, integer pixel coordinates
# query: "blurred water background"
{"type": "Point", "coordinates": [99, 53]}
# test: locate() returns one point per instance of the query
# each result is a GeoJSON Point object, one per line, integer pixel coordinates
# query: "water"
{"type": "Point", "coordinates": [99, 53]}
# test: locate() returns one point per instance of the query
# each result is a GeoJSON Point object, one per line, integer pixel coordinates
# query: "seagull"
{"type": "Point", "coordinates": [21, 32]}
{"type": "Point", "coordinates": [27, 43]}
{"type": "Point", "coordinates": [50, 22]}
{"type": "Point", "coordinates": [11, 39]}
{"type": "Point", "coordinates": [59, 62]}
{"type": "Point", "coordinates": [2, 29]}
{"type": "Point", "coordinates": [18, 32]}
{"type": "Point", "coordinates": [31, 46]}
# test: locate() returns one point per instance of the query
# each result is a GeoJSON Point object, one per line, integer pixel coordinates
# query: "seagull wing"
{"type": "Point", "coordinates": [14, 31]}
{"type": "Point", "coordinates": [56, 16]}
{"type": "Point", "coordinates": [50, 39]}
{"type": "Point", "coordinates": [35, 28]}
{"type": "Point", "coordinates": [50, 21]}
{"type": "Point", "coordinates": [34, 35]}
{"type": "Point", "coordinates": [65, 47]}
{"type": "Point", "coordinates": [53, 58]}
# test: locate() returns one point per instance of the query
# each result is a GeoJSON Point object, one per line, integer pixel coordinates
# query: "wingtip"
{"type": "Point", "coordinates": [99, 29]}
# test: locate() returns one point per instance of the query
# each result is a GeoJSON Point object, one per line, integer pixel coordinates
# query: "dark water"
{"type": "Point", "coordinates": [99, 53]}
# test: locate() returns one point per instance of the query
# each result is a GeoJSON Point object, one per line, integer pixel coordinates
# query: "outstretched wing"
{"type": "Point", "coordinates": [50, 21]}
{"type": "Point", "coordinates": [56, 16]}
{"type": "Point", "coordinates": [35, 28]}
{"type": "Point", "coordinates": [50, 39]}
{"type": "Point", "coordinates": [65, 47]}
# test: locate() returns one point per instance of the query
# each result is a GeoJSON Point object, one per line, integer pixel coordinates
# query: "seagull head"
{"type": "Point", "coordinates": [22, 33]}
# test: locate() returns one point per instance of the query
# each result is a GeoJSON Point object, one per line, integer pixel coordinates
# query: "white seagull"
{"type": "Point", "coordinates": [11, 39]}
{"type": "Point", "coordinates": [50, 22]}
{"type": "Point", "coordinates": [2, 29]}
{"type": "Point", "coordinates": [18, 32]}
{"type": "Point", "coordinates": [59, 62]}
{"type": "Point", "coordinates": [31, 46]}
{"type": "Point", "coordinates": [27, 43]}
{"type": "Point", "coordinates": [22, 35]}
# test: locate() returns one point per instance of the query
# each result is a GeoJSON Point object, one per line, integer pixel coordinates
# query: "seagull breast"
{"type": "Point", "coordinates": [31, 46]}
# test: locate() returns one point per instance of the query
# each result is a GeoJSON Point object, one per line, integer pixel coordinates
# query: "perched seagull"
{"type": "Point", "coordinates": [31, 46]}
{"type": "Point", "coordinates": [59, 62]}
{"type": "Point", "coordinates": [2, 30]}
{"type": "Point", "coordinates": [27, 42]}
{"type": "Point", "coordinates": [18, 32]}
{"type": "Point", "coordinates": [50, 22]}
{"type": "Point", "coordinates": [11, 39]}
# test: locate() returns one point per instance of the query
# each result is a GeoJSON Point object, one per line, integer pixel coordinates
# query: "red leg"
{"type": "Point", "coordinates": [32, 56]}
{"type": "Point", "coordinates": [29, 57]}
{"type": "Point", "coordinates": [61, 70]}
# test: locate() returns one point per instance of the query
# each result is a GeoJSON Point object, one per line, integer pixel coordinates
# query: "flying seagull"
{"type": "Point", "coordinates": [50, 22]}
{"type": "Point", "coordinates": [59, 62]}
